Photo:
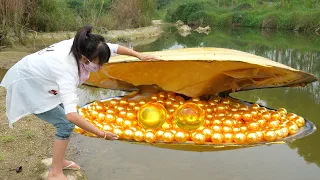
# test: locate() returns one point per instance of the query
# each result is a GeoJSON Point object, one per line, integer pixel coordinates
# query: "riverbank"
{"type": "Point", "coordinates": [31, 139]}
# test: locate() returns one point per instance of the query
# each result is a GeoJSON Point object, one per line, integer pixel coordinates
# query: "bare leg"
{"type": "Point", "coordinates": [59, 149]}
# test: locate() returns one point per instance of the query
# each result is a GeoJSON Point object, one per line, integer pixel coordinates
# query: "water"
{"type": "Point", "coordinates": [298, 160]}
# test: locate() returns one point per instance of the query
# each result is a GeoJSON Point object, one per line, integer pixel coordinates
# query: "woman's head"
{"type": "Point", "coordinates": [88, 47]}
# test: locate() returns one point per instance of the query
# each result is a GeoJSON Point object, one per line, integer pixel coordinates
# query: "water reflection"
{"type": "Point", "coordinates": [299, 51]}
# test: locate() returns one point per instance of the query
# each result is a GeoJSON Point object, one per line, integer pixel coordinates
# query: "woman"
{"type": "Point", "coordinates": [45, 83]}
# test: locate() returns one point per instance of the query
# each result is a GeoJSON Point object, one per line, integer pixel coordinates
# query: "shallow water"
{"type": "Point", "coordinates": [297, 160]}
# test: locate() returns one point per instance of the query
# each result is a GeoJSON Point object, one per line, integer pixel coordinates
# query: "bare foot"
{"type": "Point", "coordinates": [59, 176]}
{"type": "Point", "coordinates": [111, 136]}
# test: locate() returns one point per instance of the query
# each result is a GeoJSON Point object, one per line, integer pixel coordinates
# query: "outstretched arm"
{"type": "Point", "coordinates": [144, 57]}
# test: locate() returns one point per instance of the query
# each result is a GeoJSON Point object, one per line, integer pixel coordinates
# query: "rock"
{"type": "Point", "coordinates": [157, 22]}
{"type": "Point", "coordinates": [206, 29]}
{"type": "Point", "coordinates": [179, 23]}
{"type": "Point", "coordinates": [71, 174]}
{"type": "Point", "coordinates": [184, 30]}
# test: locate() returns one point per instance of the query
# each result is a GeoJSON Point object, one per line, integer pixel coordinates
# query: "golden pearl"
{"type": "Point", "coordinates": [180, 136]}
{"type": "Point", "coordinates": [175, 104]}
{"type": "Point", "coordinates": [228, 138]}
{"type": "Point", "coordinates": [236, 129]}
{"type": "Point", "coordinates": [101, 117]}
{"type": "Point", "coordinates": [227, 129]}
{"type": "Point", "coordinates": [255, 106]}
{"type": "Point", "coordinates": [212, 103]}
{"type": "Point", "coordinates": [285, 131]}
{"type": "Point", "coordinates": [216, 128]}
{"type": "Point", "coordinates": [275, 115]}
{"type": "Point", "coordinates": [279, 134]}
{"type": "Point", "coordinates": [216, 138]}
{"type": "Point", "coordinates": [266, 116]}
{"type": "Point", "coordinates": [239, 138]}
{"type": "Point", "coordinates": [261, 122]}
{"type": "Point", "coordinates": [124, 102]}
{"type": "Point", "coordinates": [225, 101]}
{"type": "Point", "coordinates": [189, 116]}
{"type": "Point", "coordinates": [274, 124]}
{"type": "Point", "coordinates": [152, 115]}
{"type": "Point", "coordinates": [107, 128]}
{"type": "Point", "coordinates": [254, 114]}
{"type": "Point", "coordinates": [119, 121]}
{"type": "Point", "coordinates": [94, 114]}
{"type": "Point", "coordinates": [236, 116]}
{"type": "Point", "coordinates": [209, 110]}
{"type": "Point", "coordinates": [300, 122]}
{"type": "Point", "coordinates": [209, 116]}
{"type": "Point", "coordinates": [282, 111]}
{"type": "Point", "coordinates": [207, 133]}
{"type": "Point", "coordinates": [252, 137]}
{"type": "Point", "coordinates": [110, 111]}
{"type": "Point", "coordinates": [159, 134]}
{"type": "Point", "coordinates": [168, 103]}
{"type": "Point", "coordinates": [228, 122]}
{"type": "Point", "coordinates": [149, 137]}
{"type": "Point", "coordinates": [244, 129]}
{"type": "Point", "coordinates": [128, 134]}
{"type": "Point", "coordinates": [131, 115]}
{"type": "Point", "coordinates": [217, 121]}
{"type": "Point", "coordinates": [293, 129]}
{"type": "Point", "coordinates": [260, 135]}
{"type": "Point", "coordinates": [127, 123]}
{"type": "Point", "coordinates": [195, 99]}
{"type": "Point", "coordinates": [162, 95]}
{"type": "Point", "coordinates": [262, 109]}
{"type": "Point", "coordinates": [247, 116]}
{"type": "Point", "coordinates": [110, 118]}
{"type": "Point", "coordinates": [220, 108]}
{"type": "Point", "coordinates": [166, 126]}
{"type": "Point", "coordinates": [291, 116]}
{"type": "Point", "coordinates": [118, 132]}
{"type": "Point", "coordinates": [171, 94]}
{"type": "Point", "coordinates": [123, 113]}
{"type": "Point", "coordinates": [168, 137]}
{"type": "Point", "coordinates": [270, 135]}
{"type": "Point", "coordinates": [253, 125]}
{"type": "Point", "coordinates": [138, 136]}
{"type": "Point", "coordinates": [243, 107]}
{"type": "Point", "coordinates": [199, 138]}
{"type": "Point", "coordinates": [114, 102]}
{"type": "Point", "coordinates": [207, 123]}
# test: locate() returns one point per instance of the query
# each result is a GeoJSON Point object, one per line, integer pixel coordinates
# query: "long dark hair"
{"type": "Point", "coordinates": [90, 45]}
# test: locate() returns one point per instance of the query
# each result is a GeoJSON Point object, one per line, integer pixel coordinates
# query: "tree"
{"type": "Point", "coordinates": [282, 3]}
{"type": "Point", "coordinates": [317, 3]}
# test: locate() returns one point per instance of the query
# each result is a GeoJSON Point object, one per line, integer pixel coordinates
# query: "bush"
{"type": "Point", "coordinates": [242, 7]}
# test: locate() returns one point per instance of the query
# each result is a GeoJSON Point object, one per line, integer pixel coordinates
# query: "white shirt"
{"type": "Point", "coordinates": [29, 83]}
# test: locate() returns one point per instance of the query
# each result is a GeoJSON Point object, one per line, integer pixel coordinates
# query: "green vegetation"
{"type": "Point", "coordinates": [6, 139]}
{"type": "Point", "coordinates": [301, 15]}
{"type": "Point", "coordinates": [19, 17]}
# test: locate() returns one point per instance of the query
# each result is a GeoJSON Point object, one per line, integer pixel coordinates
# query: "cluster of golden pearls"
{"type": "Point", "coordinates": [168, 117]}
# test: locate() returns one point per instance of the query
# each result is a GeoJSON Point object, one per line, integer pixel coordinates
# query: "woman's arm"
{"type": "Point", "coordinates": [129, 52]}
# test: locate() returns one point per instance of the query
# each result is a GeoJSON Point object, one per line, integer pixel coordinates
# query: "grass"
{"type": "Point", "coordinates": [6, 139]}
{"type": "Point", "coordinates": [29, 134]}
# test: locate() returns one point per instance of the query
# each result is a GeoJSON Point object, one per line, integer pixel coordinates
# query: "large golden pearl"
{"type": "Point", "coordinates": [252, 137]}
{"type": "Point", "coordinates": [189, 116]}
{"type": "Point", "coordinates": [216, 138]}
{"type": "Point", "coordinates": [149, 137]}
{"type": "Point", "coordinates": [270, 135]}
{"type": "Point", "coordinates": [300, 122]}
{"type": "Point", "coordinates": [216, 128]}
{"type": "Point", "coordinates": [138, 136]}
{"type": "Point", "coordinates": [293, 129]}
{"type": "Point", "coordinates": [199, 138]}
{"type": "Point", "coordinates": [282, 111]}
{"type": "Point", "coordinates": [152, 115]}
{"type": "Point", "coordinates": [239, 138]}
{"type": "Point", "coordinates": [228, 138]}
{"type": "Point", "coordinates": [180, 136]}
{"type": "Point", "coordinates": [167, 137]}
{"type": "Point", "coordinates": [128, 134]}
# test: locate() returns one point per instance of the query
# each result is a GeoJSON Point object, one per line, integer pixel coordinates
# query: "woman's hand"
{"type": "Point", "coordinates": [146, 57]}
